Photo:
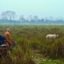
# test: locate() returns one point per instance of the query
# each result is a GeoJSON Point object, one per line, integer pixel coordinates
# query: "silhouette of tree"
{"type": "Point", "coordinates": [9, 15]}
{"type": "Point", "coordinates": [22, 19]}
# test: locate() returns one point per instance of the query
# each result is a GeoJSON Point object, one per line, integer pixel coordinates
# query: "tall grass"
{"type": "Point", "coordinates": [32, 41]}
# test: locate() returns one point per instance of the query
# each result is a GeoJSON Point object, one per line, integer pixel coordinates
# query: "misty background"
{"type": "Point", "coordinates": [32, 11]}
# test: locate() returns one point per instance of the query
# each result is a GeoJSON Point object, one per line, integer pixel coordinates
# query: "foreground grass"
{"type": "Point", "coordinates": [49, 61]}
{"type": "Point", "coordinates": [33, 48]}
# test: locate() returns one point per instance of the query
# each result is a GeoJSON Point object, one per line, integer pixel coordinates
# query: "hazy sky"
{"type": "Point", "coordinates": [41, 8]}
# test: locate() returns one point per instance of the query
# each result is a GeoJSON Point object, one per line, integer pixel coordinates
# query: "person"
{"type": "Point", "coordinates": [8, 36]}
{"type": "Point", "coordinates": [6, 42]}
{"type": "Point", "coordinates": [2, 39]}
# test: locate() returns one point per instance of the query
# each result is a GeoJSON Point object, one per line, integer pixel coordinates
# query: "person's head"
{"type": "Point", "coordinates": [8, 29]}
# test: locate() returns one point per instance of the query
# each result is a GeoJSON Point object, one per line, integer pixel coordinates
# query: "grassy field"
{"type": "Point", "coordinates": [32, 47]}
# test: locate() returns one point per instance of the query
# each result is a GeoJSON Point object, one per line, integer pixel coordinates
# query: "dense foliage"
{"type": "Point", "coordinates": [31, 41]}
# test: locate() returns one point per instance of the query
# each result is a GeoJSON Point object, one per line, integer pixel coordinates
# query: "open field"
{"type": "Point", "coordinates": [33, 48]}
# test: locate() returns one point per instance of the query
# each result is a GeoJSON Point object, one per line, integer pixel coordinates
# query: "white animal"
{"type": "Point", "coordinates": [52, 36]}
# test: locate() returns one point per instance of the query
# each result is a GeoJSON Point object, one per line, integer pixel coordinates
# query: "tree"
{"type": "Point", "coordinates": [9, 15]}
{"type": "Point", "coordinates": [22, 19]}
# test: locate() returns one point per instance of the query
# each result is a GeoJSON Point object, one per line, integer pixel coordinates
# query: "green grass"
{"type": "Point", "coordinates": [32, 46]}
{"type": "Point", "coordinates": [49, 61]}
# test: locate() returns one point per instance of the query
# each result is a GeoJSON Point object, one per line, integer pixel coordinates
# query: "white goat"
{"type": "Point", "coordinates": [52, 36]}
